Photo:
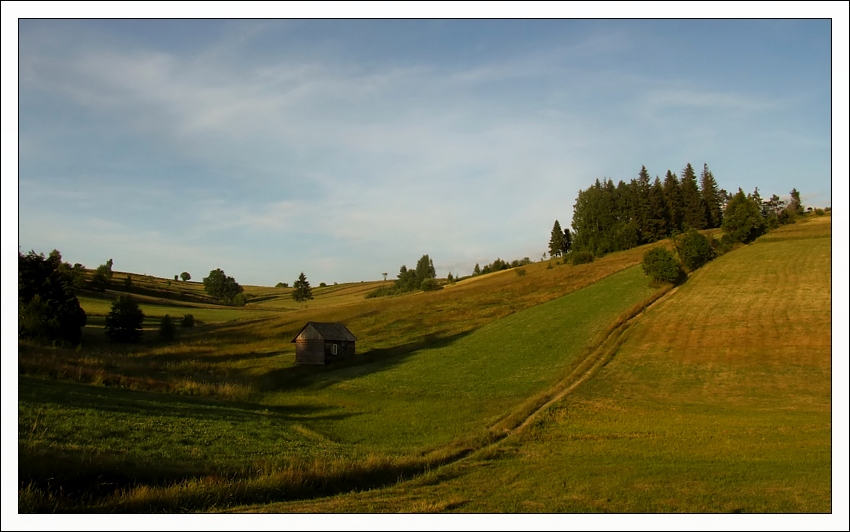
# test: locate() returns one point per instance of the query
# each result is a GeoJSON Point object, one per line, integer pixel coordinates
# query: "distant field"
{"type": "Point", "coordinates": [719, 400]}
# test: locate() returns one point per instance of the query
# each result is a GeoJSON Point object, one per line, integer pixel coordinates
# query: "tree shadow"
{"type": "Point", "coordinates": [373, 361]}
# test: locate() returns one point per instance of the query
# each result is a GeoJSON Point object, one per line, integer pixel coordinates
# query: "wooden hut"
{"type": "Point", "coordinates": [323, 343]}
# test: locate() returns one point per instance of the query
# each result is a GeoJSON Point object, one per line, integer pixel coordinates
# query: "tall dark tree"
{"type": "Point", "coordinates": [710, 198]}
{"type": "Point", "coordinates": [476, 270]}
{"type": "Point", "coordinates": [641, 213]}
{"type": "Point", "coordinates": [658, 213]}
{"type": "Point", "coordinates": [675, 201]}
{"type": "Point", "coordinates": [556, 240]}
{"type": "Point", "coordinates": [301, 289]}
{"type": "Point", "coordinates": [48, 310]}
{"type": "Point", "coordinates": [568, 243]}
{"type": "Point", "coordinates": [694, 210]}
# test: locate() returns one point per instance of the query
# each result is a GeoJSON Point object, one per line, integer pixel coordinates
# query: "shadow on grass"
{"type": "Point", "coordinates": [375, 360]}
{"type": "Point", "coordinates": [109, 399]}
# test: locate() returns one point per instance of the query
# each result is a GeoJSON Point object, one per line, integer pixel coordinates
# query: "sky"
{"type": "Point", "coordinates": [346, 148]}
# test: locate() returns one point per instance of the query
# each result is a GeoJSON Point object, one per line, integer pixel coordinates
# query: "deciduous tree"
{"type": "Point", "coordinates": [222, 286]}
{"type": "Point", "coordinates": [48, 310]}
{"type": "Point", "coordinates": [742, 220]}
{"type": "Point", "coordinates": [124, 321]}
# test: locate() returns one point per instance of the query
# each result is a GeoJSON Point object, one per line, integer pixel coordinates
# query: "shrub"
{"type": "Point", "coordinates": [660, 265]}
{"type": "Point", "coordinates": [693, 249]}
{"type": "Point", "coordinates": [166, 328]}
{"type": "Point", "coordinates": [238, 300]}
{"type": "Point", "coordinates": [323, 284]}
{"type": "Point", "coordinates": [520, 272]}
{"type": "Point", "coordinates": [819, 212]}
{"type": "Point", "coordinates": [429, 284]}
{"type": "Point", "coordinates": [188, 320]}
{"type": "Point", "coordinates": [582, 257]}
{"type": "Point", "coordinates": [382, 291]}
{"type": "Point", "coordinates": [124, 321]}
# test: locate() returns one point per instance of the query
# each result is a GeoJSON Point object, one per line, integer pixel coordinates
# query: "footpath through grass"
{"type": "Point", "coordinates": [163, 451]}
{"type": "Point", "coordinates": [719, 400]}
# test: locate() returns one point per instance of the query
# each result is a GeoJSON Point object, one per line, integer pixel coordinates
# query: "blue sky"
{"type": "Point", "coordinates": [346, 148]}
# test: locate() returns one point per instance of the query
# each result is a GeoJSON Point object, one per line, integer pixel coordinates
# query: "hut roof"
{"type": "Point", "coordinates": [324, 331]}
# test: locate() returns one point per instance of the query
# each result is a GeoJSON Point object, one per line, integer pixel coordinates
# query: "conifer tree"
{"type": "Point", "coordinates": [642, 210]}
{"type": "Point", "coordinates": [710, 198]}
{"type": "Point", "coordinates": [658, 213]}
{"type": "Point", "coordinates": [301, 289]}
{"type": "Point", "coordinates": [694, 210]}
{"type": "Point", "coordinates": [556, 241]}
{"type": "Point", "coordinates": [675, 203]}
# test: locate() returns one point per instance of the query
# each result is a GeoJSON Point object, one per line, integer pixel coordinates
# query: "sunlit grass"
{"type": "Point", "coordinates": [719, 400]}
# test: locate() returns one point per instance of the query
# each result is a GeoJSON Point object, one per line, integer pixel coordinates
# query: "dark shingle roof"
{"type": "Point", "coordinates": [325, 331]}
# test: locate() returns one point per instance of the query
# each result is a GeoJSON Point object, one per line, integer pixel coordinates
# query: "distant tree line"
{"type": "Point", "coordinates": [408, 280]}
{"type": "Point", "coordinates": [610, 218]}
{"type": "Point", "coordinates": [499, 265]}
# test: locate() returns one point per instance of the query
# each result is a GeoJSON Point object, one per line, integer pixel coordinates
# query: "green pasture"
{"type": "Point", "coordinates": [390, 406]}
{"type": "Point", "coordinates": [718, 401]}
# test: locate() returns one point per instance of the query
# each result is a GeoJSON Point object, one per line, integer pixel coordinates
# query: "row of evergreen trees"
{"type": "Point", "coordinates": [610, 218]}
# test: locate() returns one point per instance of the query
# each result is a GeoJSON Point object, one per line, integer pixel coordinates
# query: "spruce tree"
{"type": "Point", "coordinates": [301, 289]}
{"type": "Point", "coordinates": [694, 210]}
{"type": "Point", "coordinates": [642, 209]}
{"type": "Point", "coordinates": [556, 241]}
{"type": "Point", "coordinates": [658, 213]}
{"type": "Point", "coordinates": [675, 203]}
{"type": "Point", "coordinates": [710, 198]}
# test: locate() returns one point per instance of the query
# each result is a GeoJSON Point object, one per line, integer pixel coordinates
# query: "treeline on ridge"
{"type": "Point", "coordinates": [609, 218]}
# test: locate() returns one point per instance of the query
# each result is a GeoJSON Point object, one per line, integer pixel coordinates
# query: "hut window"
{"type": "Point", "coordinates": [333, 349]}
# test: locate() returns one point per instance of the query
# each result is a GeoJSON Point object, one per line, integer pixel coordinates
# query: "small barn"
{"type": "Point", "coordinates": [323, 343]}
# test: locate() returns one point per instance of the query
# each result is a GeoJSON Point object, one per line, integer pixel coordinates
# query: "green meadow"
{"type": "Point", "coordinates": [717, 400]}
{"type": "Point", "coordinates": [568, 389]}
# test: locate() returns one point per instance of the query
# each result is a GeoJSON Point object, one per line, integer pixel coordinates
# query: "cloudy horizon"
{"type": "Point", "coordinates": [346, 148]}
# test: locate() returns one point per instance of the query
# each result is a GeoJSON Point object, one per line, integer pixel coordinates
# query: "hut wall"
{"type": "Point", "coordinates": [310, 351]}
{"type": "Point", "coordinates": [343, 350]}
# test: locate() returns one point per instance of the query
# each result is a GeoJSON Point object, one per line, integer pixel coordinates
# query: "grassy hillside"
{"type": "Point", "coordinates": [225, 400]}
{"type": "Point", "coordinates": [718, 400]}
